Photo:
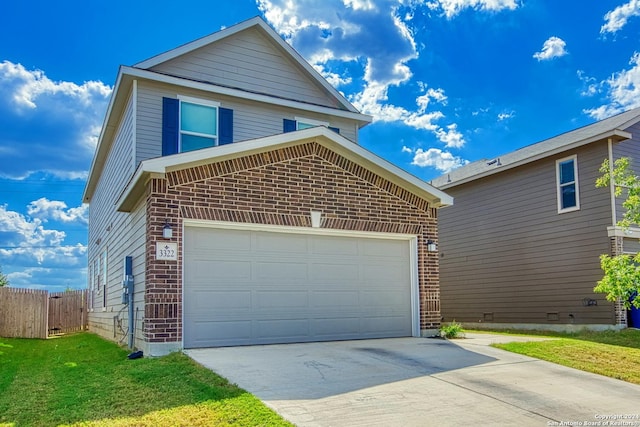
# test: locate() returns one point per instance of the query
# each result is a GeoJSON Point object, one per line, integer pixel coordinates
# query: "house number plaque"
{"type": "Point", "coordinates": [166, 251]}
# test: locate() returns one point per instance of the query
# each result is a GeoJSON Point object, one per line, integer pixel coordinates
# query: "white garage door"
{"type": "Point", "coordinates": [260, 287]}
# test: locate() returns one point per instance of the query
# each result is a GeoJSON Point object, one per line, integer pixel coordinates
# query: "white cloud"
{"type": "Point", "coordinates": [41, 278]}
{"type": "Point", "coordinates": [360, 4]}
{"type": "Point", "coordinates": [37, 113]}
{"type": "Point", "coordinates": [46, 209]}
{"type": "Point", "coordinates": [623, 91]}
{"type": "Point", "coordinates": [554, 47]}
{"type": "Point", "coordinates": [443, 161]}
{"type": "Point", "coordinates": [451, 8]}
{"type": "Point", "coordinates": [28, 86]}
{"type": "Point", "coordinates": [617, 18]}
{"type": "Point", "coordinates": [24, 240]}
{"type": "Point", "coordinates": [506, 116]}
{"type": "Point", "coordinates": [370, 37]}
{"type": "Point", "coordinates": [591, 86]}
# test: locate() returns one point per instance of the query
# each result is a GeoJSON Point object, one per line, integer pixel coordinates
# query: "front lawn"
{"type": "Point", "coordinates": [610, 353]}
{"type": "Point", "coordinates": [83, 380]}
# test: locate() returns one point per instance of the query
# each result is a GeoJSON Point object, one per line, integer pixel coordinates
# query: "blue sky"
{"type": "Point", "coordinates": [447, 81]}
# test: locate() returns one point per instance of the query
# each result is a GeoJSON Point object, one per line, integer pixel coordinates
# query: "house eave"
{"type": "Point", "coordinates": [363, 119]}
{"type": "Point", "coordinates": [616, 135]}
{"type": "Point", "coordinates": [256, 22]}
{"type": "Point", "coordinates": [161, 165]}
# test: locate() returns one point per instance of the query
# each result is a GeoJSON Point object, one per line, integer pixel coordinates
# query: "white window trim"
{"type": "Point", "coordinates": [576, 182]}
{"type": "Point", "coordinates": [206, 103]}
{"type": "Point", "coordinates": [310, 122]}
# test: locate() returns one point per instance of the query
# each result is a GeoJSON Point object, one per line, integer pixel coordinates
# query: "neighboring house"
{"type": "Point", "coordinates": [229, 185]}
{"type": "Point", "coordinates": [521, 245]}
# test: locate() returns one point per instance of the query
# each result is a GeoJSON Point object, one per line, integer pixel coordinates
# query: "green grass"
{"type": "Point", "coordinates": [83, 380]}
{"type": "Point", "coordinates": [614, 354]}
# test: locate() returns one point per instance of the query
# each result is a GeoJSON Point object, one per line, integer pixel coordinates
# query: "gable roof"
{"type": "Point", "coordinates": [127, 76]}
{"type": "Point", "coordinates": [159, 166]}
{"type": "Point", "coordinates": [259, 24]}
{"type": "Point", "coordinates": [612, 127]}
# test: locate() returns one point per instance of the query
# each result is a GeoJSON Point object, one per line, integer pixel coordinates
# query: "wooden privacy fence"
{"type": "Point", "coordinates": [32, 313]}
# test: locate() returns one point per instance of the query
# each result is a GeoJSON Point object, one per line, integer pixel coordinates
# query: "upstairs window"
{"type": "Point", "coordinates": [300, 123]}
{"type": "Point", "coordinates": [190, 124]}
{"type": "Point", "coordinates": [198, 124]}
{"type": "Point", "coordinates": [567, 184]}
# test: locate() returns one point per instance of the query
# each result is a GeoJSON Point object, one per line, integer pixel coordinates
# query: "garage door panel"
{"type": "Point", "coordinates": [206, 300]}
{"type": "Point", "coordinates": [296, 329]}
{"type": "Point", "coordinates": [207, 270]}
{"type": "Point", "coordinates": [334, 246]}
{"type": "Point", "coordinates": [385, 248]}
{"type": "Point", "coordinates": [292, 299]}
{"type": "Point", "coordinates": [383, 298]}
{"type": "Point", "coordinates": [281, 271]}
{"type": "Point", "coordinates": [221, 240]}
{"type": "Point", "coordinates": [335, 299]}
{"type": "Point", "coordinates": [334, 272]}
{"type": "Point", "coordinates": [291, 287]}
{"type": "Point", "coordinates": [281, 243]}
{"type": "Point", "coordinates": [339, 326]}
{"type": "Point", "coordinates": [384, 273]}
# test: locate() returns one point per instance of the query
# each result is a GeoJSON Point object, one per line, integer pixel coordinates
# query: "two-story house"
{"type": "Point", "coordinates": [521, 246]}
{"type": "Point", "coordinates": [229, 190]}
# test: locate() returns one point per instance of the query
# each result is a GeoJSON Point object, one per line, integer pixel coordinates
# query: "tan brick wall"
{"type": "Point", "coordinates": [281, 187]}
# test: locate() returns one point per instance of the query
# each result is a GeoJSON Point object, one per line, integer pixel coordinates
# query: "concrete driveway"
{"type": "Point", "coordinates": [421, 382]}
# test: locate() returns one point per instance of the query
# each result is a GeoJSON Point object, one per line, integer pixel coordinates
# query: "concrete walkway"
{"type": "Point", "coordinates": [420, 382]}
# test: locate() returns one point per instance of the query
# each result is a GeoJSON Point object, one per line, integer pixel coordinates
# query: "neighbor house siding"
{"type": "Point", "coordinates": [628, 148]}
{"type": "Point", "coordinates": [250, 119]}
{"type": "Point", "coordinates": [507, 256]}
{"type": "Point", "coordinates": [249, 61]}
{"type": "Point", "coordinates": [110, 230]}
{"type": "Point", "coordinates": [280, 188]}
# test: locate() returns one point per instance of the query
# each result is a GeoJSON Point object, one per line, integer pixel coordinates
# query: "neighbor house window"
{"type": "Point", "coordinates": [198, 124]}
{"type": "Point", "coordinates": [567, 182]}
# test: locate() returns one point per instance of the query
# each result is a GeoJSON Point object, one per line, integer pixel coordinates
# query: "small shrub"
{"type": "Point", "coordinates": [452, 330]}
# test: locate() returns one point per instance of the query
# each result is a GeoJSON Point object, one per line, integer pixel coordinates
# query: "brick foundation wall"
{"type": "Point", "coordinates": [280, 187]}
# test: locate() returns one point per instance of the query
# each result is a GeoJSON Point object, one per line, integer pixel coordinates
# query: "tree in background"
{"type": "Point", "coordinates": [4, 281]}
{"type": "Point", "coordinates": [622, 272]}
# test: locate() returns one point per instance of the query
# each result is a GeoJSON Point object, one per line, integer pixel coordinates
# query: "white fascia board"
{"type": "Point", "coordinates": [101, 152]}
{"type": "Point", "coordinates": [222, 90]}
{"type": "Point", "coordinates": [227, 32]}
{"type": "Point", "coordinates": [161, 165]}
{"type": "Point", "coordinates": [622, 135]}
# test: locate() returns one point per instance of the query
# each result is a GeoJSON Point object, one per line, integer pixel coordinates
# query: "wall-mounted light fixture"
{"type": "Point", "coordinates": [432, 246]}
{"type": "Point", "coordinates": [167, 231]}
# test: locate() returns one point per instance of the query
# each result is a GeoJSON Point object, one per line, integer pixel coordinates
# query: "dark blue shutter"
{"type": "Point", "coordinates": [170, 126]}
{"type": "Point", "coordinates": [225, 116]}
{"type": "Point", "coordinates": [336, 130]}
{"type": "Point", "coordinates": [288, 125]}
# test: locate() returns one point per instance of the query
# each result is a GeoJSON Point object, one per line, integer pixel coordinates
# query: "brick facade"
{"type": "Point", "coordinates": [280, 187]}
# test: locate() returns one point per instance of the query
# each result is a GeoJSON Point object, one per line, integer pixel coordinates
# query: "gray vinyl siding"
{"type": "Point", "coordinates": [629, 148]}
{"type": "Point", "coordinates": [116, 232]}
{"type": "Point", "coordinates": [507, 256]}
{"type": "Point", "coordinates": [249, 61]}
{"type": "Point", "coordinates": [250, 119]}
